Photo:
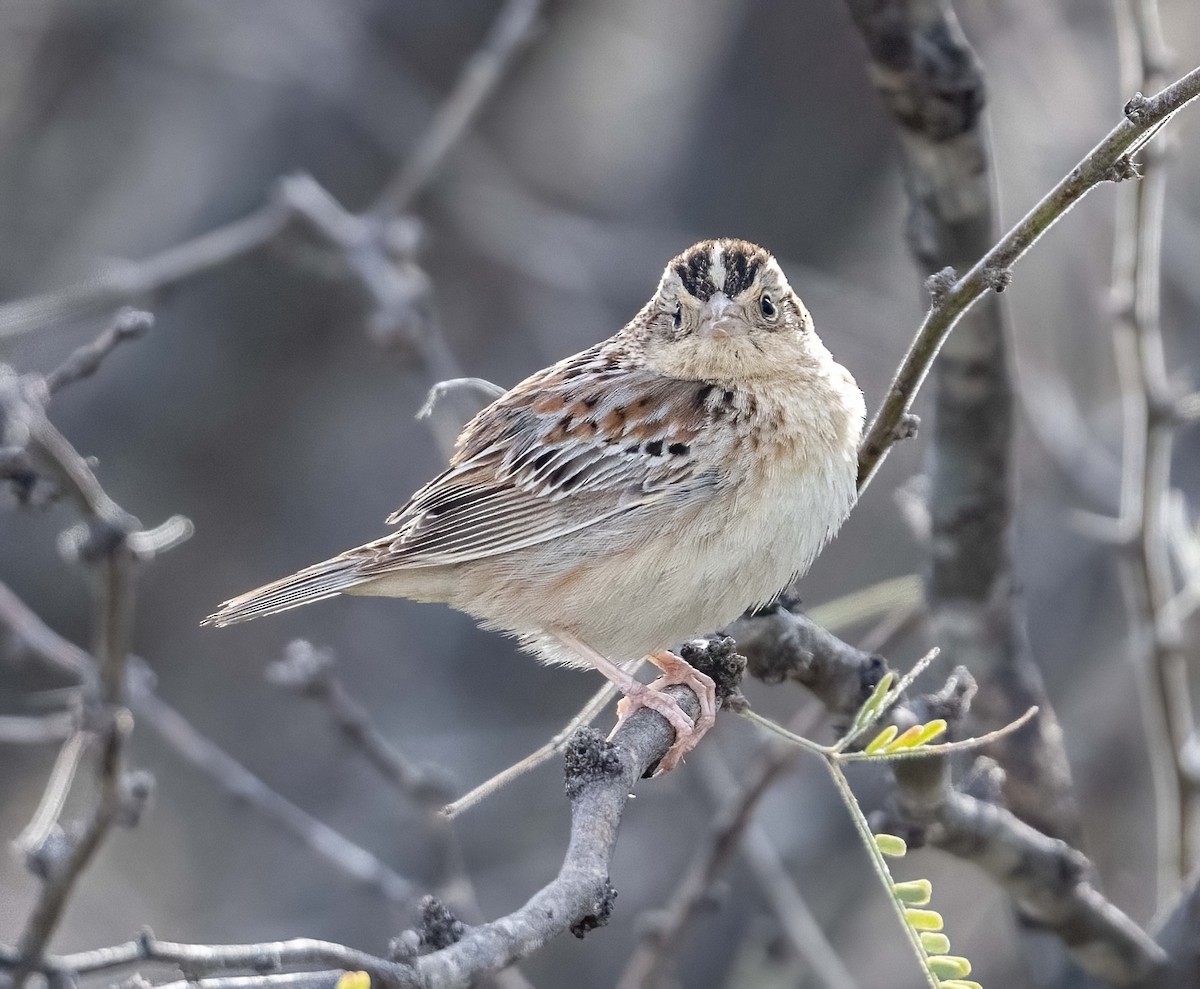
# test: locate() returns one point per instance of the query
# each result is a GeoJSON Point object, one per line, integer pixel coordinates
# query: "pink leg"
{"type": "Point", "coordinates": [639, 695]}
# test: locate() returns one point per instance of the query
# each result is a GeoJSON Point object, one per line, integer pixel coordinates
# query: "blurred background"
{"type": "Point", "coordinates": [263, 408]}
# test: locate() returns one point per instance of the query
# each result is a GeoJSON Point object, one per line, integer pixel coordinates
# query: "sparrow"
{"type": "Point", "coordinates": [630, 497]}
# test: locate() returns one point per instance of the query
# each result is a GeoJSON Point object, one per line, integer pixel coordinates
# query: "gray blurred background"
{"type": "Point", "coordinates": [261, 408]}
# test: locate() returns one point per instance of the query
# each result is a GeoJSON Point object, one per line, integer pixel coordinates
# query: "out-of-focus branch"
{"type": "Point", "coordinates": [1045, 876]}
{"type": "Point", "coordinates": [933, 85]}
{"type": "Point", "coordinates": [600, 776]}
{"type": "Point", "coordinates": [512, 31]}
{"type": "Point", "coordinates": [134, 282]}
{"type": "Point", "coordinates": [375, 247]}
{"type": "Point", "coordinates": [954, 295]}
{"type": "Point", "coordinates": [309, 672]}
{"type": "Point", "coordinates": [108, 545]}
{"type": "Point", "coordinates": [128, 324]}
{"type": "Point", "coordinates": [32, 636]}
{"type": "Point", "coordinates": [17, 729]}
{"type": "Point", "coordinates": [728, 830]}
{"type": "Point", "coordinates": [1152, 418]}
{"type": "Point", "coordinates": [205, 755]}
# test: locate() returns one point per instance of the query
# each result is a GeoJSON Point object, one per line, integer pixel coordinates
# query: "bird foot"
{"type": "Point", "coordinates": [687, 733]}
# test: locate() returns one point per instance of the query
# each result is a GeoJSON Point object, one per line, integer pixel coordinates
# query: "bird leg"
{"type": "Point", "coordinates": [639, 695]}
{"type": "Point", "coordinates": [674, 671]}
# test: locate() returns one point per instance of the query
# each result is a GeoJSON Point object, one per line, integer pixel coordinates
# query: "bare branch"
{"type": "Point", "coordinates": [128, 324]}
{"type": "Point", "coordinates": [1094, 169]}
{"type": "Point", "coordinates": [205, 755]}
{"type": "Point", "coordinates": [308, 671]}
{"type": "Point", "coordinates": [1046, 878]}
{"type": "Point", "coordinates": [1150, 403]}
{"type": "Point", "coordinates": [108, 530]}
{"type": "Point", "coordinates": [515, 26]}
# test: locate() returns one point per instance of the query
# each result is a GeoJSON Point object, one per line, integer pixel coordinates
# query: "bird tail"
{"type": "Point", "coordinates": [315, 583]}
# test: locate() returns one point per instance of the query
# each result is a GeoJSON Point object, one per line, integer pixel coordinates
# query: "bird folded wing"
{"type": "Point", "coordinates": [546, 461]}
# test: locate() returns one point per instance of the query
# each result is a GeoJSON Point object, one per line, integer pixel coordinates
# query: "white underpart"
{"type": "Point", "coordinates": [716, 268]}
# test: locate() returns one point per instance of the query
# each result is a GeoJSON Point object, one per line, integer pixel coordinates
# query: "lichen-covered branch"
{"type": "Point", "coordinates": [1046, 877]}
{"type": "Point", "coordinates": [599, 778]}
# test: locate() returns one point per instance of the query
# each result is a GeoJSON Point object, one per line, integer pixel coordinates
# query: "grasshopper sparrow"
{"type": "Point", "coordinates": [641, 492]}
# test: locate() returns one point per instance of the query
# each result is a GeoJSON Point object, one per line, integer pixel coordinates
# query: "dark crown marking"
{"type": "Point", "coordinates": [742, 262]}
{"type": "Point", "coordinates": [692, 267]}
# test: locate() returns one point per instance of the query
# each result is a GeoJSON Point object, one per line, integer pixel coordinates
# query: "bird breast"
{"type": "Point", "coordinates": [794, 486]}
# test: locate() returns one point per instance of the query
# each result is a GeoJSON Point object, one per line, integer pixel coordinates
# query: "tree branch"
{"type": "Point", "coordinates": [1046, 878]}
{"type": "Point", "coordinates": [1144, 116]}
{"type": "Point", "coordinates": [1150, 404]}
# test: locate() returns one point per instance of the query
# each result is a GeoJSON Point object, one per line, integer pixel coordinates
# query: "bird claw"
{"type": "Point", "coordinates": [687, 732]}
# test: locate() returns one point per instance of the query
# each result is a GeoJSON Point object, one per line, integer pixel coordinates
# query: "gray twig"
{"type": "Point", "coordinates": [1149, 400]}
{"type": "Point", "coordinates": [515, 26]}
{"type": "Point", "coordinates": [308, 671]}
{"type": "Point", "coordinates": [107, 547]}
{"type": "Point", "coordinates": [1094, 169]}
{"type": "Point", "coordinates": [1046, 877]}
{"type": "Point", "coordinates": [128, 324]}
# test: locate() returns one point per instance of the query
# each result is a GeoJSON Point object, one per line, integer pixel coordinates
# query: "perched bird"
{"type": "Point", "coordinates": [630, 497]}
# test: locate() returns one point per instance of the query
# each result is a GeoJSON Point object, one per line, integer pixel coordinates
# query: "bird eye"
{"type": "Point", "coordinates": [678, 314]}
{"type": "Point", "coordinates": [767, 307]}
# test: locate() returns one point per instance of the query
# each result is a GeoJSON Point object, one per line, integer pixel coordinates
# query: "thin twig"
{"type": "Point", "coordinates": [1144, 117]}
{"type": "Point", "coordinates": [1150, 427]}
{"type": "Point", "coordinates": [134, 281]}
{"type": "Point", "coordinates": [587, 714]}
{"type": "Point", "coordinates": [16, 729]}
{"type": "Point", "coordinates": [128, 324]}
{"type": "Point", "coordinates": [513, 29]}
{"type": "Point", "coordinates": [203, 754]}
{"type": "Point", "coordinates": [109, 528]}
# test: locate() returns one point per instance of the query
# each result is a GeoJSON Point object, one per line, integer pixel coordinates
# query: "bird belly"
{"type": "Point", "coordinates": [626, 601]}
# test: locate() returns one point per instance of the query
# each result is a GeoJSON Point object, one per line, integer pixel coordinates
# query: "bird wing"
{"type": "Point", "coordinates": [579, 443]}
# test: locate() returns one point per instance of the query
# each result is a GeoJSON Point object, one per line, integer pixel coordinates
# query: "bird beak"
{"type": "Point", "coordinates": [719, 318]}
